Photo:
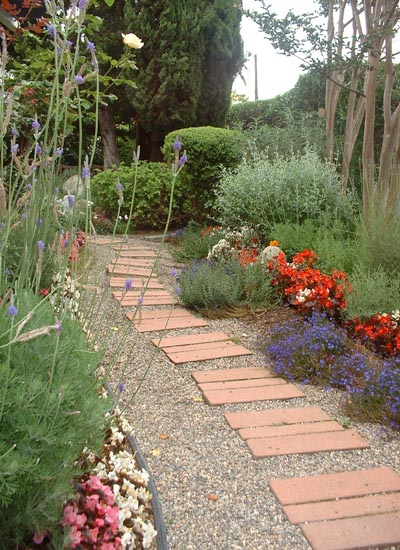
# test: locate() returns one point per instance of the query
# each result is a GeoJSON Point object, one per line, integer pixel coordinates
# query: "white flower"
{"type": "Point", "coordinates": [132, 41]}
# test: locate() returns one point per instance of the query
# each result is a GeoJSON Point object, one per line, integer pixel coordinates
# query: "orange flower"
{"type": "Point", "coordinates": [273, 243]}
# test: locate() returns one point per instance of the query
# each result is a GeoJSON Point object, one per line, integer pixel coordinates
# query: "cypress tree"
{"type": "Point", "coordinates": [192, 50]}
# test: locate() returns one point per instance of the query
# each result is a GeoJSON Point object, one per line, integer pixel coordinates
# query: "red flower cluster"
{"type": "Point", "coordinates": [92, 517]}
{"type": "Point", "coordinates": [380, 329]}
{"type": "Point", "coordinates": [210, 229]}
{"type": "Point", "coordinates": [79, 242]}
{"type": "Point", "coordinates": [247, 256]}
{"type": "Point", "coordinates": [306, 287]}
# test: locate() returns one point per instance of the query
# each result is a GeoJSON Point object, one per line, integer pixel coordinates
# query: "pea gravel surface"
{"type": "Point", "coordinates": [213, 494]}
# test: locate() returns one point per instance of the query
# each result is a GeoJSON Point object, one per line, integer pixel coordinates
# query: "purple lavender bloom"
{"type": "Point", "coordinates": [56, 190]}
{"type": "Point", "coordinates": [69, 44]}
{"type": "Point", "coordinates": [38, 221]}
{"type": "Point", "coordinates": [38, 149]}
{"type": "Point", "coordinates": [71, 201]}
{"type": "Point", "coordinates": [59, 151]}
{"type": "Point", "coordinates": [79, 79]}
{"type": "Point", "coordinates": [121, 387]}
{"type": "Point", "coordinates": [174, 272]}
{"type": "Point", "coordinates": [29, 187]}
{"type": "Point", "coordinates": [140, 300]}
{"type": "Point", "coordinates": [14, 148]}
{"type": "Point", "coordinates": [35, 125]}
{"type": "Point", "coordinates": [183, 159]}
{"type": "Point", "coordinates": [177, 144]}
{"type": "Point", "coordinates": [14, 132]}
{"type": "Point", "coordinates": [51, 30]}
{"type": "Point", "coordinates": [82, 4]}
{"type": "Point", "coordinates": [91, 47]}
{"type": "Point", "coordinates": [128, 284]}
{"type": "Point", "coordinates": [41, 245]}
{"type": "Point", "coordinates": [24, 216]}
{"type": "Point", "coordinates": [12, 311]}
{"type": "Point", "coordinates": [85, 172]}
{"type": "Point", "coordinates": [178, 290]}
{"type": "Point", "coordinates": [119, 187]}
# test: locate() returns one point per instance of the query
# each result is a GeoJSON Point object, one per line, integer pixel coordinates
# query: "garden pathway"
{"type": "Point", "coordinates": [342, 510]}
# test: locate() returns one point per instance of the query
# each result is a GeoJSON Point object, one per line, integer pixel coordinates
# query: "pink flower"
{"type": "Point", "coordinates": [112, 514]}
{"type": "Point", "coordinates": [75, 536]}
{"type": "Point", "coordinates": [94, 484]}
{"type": "Point", "coordinates": [38, 538]}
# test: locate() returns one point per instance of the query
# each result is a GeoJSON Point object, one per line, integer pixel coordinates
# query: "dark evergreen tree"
{"type": "Point", "coordinates": [192, 51]}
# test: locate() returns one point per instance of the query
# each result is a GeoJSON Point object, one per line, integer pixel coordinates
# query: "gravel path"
{"type": "Point", "coordinates": [214, 496]}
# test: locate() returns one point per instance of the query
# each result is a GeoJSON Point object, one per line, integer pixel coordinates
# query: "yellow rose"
{"type": "Point", "coordinates": [132, 41]}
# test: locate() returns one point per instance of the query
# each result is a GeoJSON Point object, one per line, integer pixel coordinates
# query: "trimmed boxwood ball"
{"type": "Point", "coordinates": [152, 195]}
{"type": "Point", "coordinates": [209, 150]}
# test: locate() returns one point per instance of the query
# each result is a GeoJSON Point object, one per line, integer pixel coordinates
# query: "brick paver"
{"type": "Point", "coordinates": [137, 254]}
{"type": "Point", "coordinates": [133, 271]}
{"type": "Point", "coordinates": [346, 510]}
{"type": "Point", "coordinates": [275, 417]}
{"type": "Point", "coordinates": [243, 395]}
{"type": "Point", "coordinates": [165, 320]}
{"type": "Point", "coordinates": [119, 282]}
{"type": "Point", "coordinates": [226, 375]}
{"type": "Point", "coordinates": [150, 297]}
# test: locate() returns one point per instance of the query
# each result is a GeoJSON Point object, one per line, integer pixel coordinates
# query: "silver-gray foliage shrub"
{"type": "Point", "coordinates": [264, 192]}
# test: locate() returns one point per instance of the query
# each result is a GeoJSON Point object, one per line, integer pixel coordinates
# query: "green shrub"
{"type": "Point", "coordinates": [372, 292]}
{"type": "Point", "coordinates": [50, 410]}
{"type": "Point", "coordinates": [261, 111]}
{"type": "Point", "coordinates": [296, 137]}
{"type": "Point", "coordinates": [379, 243]}
{"type": "Point", "coordinates": [209, 150]}
{"type": "Point", "coordinates": [194, 243]}
{"type": "Point", "coordinates": [264, 192]}
{"type": "Point", "coordinates": [152, 195]}
{"type": "Point", "coordinates": [216, 286]}
{"type": "Point", "coordinates": [335, 247]}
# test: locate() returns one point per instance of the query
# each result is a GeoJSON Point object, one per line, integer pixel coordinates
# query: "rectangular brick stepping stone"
{"type": "Point", "coordinates": [119, 282]}
{"type": "Point", "coordinates": [165, 320]}
{"type": "Point", "coordinates": [332, 486]}
{"type": "Point", "coordinates": [291, 429]}
{"type": "Point", "coordinates": [346, 510]}
{"type": "Point", "coordinates": [137, 254]}
{"type": "Point", "coordinates": [200, 347]}
{"type": "Point", "coordinates": [132, 271]}
{"type": "Point", "coordinates": [223, 375]}
{"type": "Point", "coordinates": [243, 395]}
{"type": "Point", "coordinates": [125, 266]}
{"type": "Point", "coordinates": [235, 384]}
{"type": "Point", "coordinates": [150, 297]}
{"type": "Point", "coordinates": [378, 531]}
{"type": "Point", "coordinates": [306, 443]}
{"type": "Point", "coordinates": [275, 417]}
{"type": "Point", "coordinates": [187, 339]}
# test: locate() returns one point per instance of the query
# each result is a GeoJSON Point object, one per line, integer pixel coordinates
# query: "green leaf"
{"type": "Point", "coordinates": [109, 2]}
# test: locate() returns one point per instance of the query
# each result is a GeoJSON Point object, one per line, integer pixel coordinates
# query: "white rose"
{"type": "Point", "coordinates": [132, 41]}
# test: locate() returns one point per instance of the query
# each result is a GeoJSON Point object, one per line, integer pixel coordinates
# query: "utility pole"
{"type": "Point", "coordinates": [255, 78]}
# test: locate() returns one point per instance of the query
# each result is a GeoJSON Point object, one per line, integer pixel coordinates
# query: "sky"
{"type": "Point", "coordinates": [276, 73]}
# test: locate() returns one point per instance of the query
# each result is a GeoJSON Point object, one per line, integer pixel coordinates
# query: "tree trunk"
{"type": "Point", "coordinates": [336, 78]}
{"type": "Point", "coordinates": [107, 131]}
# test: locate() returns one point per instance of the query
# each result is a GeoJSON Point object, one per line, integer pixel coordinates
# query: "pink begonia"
{"type": "Point", "coordinates": [91, 503]}
{"type": "Point", "coordinates": [38, 538]}
{"type": "Point", "coordinates": [98, 522]}
{"type": "Point", "coordinates": [75, 536]}
{"type": "Point", "coordinates": [112, 515]}
{"type": "Point", "coordinates": [94, 484]}
{"type": "Point", "coordinates": [92, 534]}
